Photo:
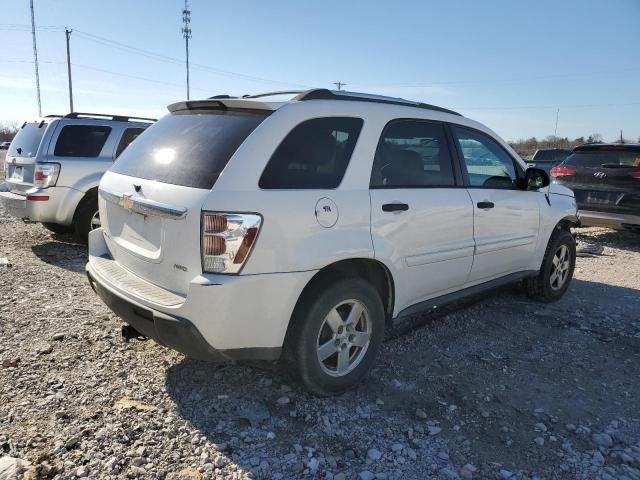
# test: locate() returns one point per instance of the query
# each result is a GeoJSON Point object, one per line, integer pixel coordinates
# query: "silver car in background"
{"type": "Point", "coordinates": [54, 165]}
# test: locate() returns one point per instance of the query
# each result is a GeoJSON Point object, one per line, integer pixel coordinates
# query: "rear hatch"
{"type": "Point", "coordinates": [604, 178]}
{"type": "Point", "coordinates": [151, 199]}
{"type": "Point", "coordinates": [21, 156]}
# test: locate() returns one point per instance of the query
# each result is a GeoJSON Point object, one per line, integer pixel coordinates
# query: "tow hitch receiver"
{"type": "Point", "coordinates": [128, 333]}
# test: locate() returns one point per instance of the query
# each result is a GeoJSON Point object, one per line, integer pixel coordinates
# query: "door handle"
{"type": "Point", "coordinates": [486, 205]}
{"type": "Point", "coordinates": [395, 207]}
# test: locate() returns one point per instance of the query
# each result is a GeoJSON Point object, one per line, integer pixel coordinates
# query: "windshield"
{"type": "Point", "coordinates": [187, 148]}
{"type": "Point", "coordinates": [599, 158]}
{"type": "Point", "coordinates": [27, 140]}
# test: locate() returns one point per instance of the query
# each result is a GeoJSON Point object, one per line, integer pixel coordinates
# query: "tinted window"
{"type": "Point", "coordinates": [543, 156]}
{"type": "Point", "coordinates": [27, 140]}
{"type": "Point", "coordinates": [129, 135]}
{"type": "Point", "coordinates": [488, 164]}
{"type": "Point", "coordinates": [189, 148]}
{"type": "Point", "coordinates": [81, 140]}
{"type": "Point", "coordinates": [413, 154]}
{"type": "Point", "coordinates": [602, 157]}
{"type": "Point", "coordinates": [315, 154]}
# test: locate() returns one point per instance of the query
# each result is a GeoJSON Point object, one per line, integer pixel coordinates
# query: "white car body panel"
{"type": "Point", "coordinates": [442, 244]}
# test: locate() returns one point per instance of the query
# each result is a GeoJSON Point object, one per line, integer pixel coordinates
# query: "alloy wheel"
{"type": "Point", "coordinates": [344, 338]}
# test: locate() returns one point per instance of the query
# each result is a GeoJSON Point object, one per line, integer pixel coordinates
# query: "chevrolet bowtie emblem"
{"type": "Point", "coordinates": [126, 202]}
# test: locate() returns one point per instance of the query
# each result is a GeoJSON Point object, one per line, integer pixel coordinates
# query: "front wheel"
{"type": "Point", "coordinates": [336, 332]}
{"type": "Point", "coordinates": [557, 268]}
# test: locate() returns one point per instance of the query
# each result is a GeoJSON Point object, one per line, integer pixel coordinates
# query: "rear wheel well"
{"type": "Point", "coordinates": [372, 271]}
{"type": "Point", "coordinates": [90, 195]}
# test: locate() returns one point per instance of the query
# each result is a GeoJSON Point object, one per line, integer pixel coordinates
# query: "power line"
{"type": "Point", "coordinates": [161, 57]}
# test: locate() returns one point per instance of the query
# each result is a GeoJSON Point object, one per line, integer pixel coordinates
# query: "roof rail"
{"type": "Point", "coordinates": [115, 118]}
{"type": "Point", "coordinates": [53, 116]}
{"type": "Point", "coordinates": [326, 94]}
{"type": "Point", "coordinates": [271, 94]}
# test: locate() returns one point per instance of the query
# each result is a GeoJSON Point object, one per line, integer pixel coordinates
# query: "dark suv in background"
{"type": "Point", "coordinates": [546, 158]}
{"type": "Point", "coordinates": [606, 181]}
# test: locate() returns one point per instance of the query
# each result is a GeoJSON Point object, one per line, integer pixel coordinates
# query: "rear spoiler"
{"type": "Point", "coordinates": [222, 104]}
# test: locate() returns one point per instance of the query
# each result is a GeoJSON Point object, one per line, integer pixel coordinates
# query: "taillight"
{"type": "Point", "coordinates": [563, 171]}
{"type": "Point", "coordinates": [45, 174]}
{"type": "Point", "coordinates": [635, 175]}
{"type": "Point", "coordinates": [227, 240]}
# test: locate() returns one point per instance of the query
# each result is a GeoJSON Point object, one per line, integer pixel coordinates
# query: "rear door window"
{"type": "Point", "coordinates": [413, 153]}
{"type": "Point", "coordinates": [81, 140]}
{"type": "Point", "coordinates": [188, 148]}
{"type": "Point", "coordinates": [314, 155]}
{"type": "Point", "coordinates": [129, 135]}
{"type": "Point", "coordinates": [27, 140]}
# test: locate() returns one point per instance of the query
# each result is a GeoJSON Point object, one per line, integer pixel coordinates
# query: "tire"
{"type": "Point", "coordinates": [549, 286]}
{"type": "Point", "coordinates": [83, 220]}
{"type": "Point", "coordinates": [56, 228]}
{"type": "Point", "coordinates": [321, 318]}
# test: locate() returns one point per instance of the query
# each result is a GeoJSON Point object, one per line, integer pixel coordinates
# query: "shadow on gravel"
{"type": "Point", "coordinates": [621, 239]}
{"type": "Point", "coordinates": [487, 364]}
{"type": "Point", "coordinates": [63, 253]}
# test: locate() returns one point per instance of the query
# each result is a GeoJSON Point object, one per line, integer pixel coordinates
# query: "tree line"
{"type": "Point", "coordinates": [8, 130]}
{"type": "Point", "coordinates": [527, 147]}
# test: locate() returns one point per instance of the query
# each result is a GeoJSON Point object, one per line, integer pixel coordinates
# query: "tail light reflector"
{"type": "Point", "coordinates": [635, 175]}
{"type": "Point", "coordinates": [563, 172]}
{"type": "Point", "coordinates": [45, 174]}
{"type": "Point", "coordinates": [227, 240]}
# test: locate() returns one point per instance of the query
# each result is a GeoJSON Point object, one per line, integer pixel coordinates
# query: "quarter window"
{"type": "Point", "coordinates": [488, 164]}
{"type": "Point", "coordinates": [129, 135]}
{"type": "Point", "coordinates": [314, 155]}
{"type": "Point", "coordinates": [81, 140]}
{"type": "Point", "coordinates": [413, 154]}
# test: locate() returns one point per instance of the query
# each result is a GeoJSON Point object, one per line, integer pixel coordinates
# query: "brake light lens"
{"type": "Point", "coordinates": [635, 175]}
{"type": "Point", "coordinates": [227, 240]}
{"type": "Point", "coordinates": [46, 174]}
{"type": "Point", "coordinates": [563, 172]}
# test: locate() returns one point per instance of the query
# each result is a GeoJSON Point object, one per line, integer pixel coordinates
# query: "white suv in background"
{"type": "Point", "coordinates": [54, 164]}
{"type": "Point", "coordinates": [247, 229]}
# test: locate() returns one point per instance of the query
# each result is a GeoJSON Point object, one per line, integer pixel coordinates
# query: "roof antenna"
{"type": "Point", "coordinates": [339, 85]}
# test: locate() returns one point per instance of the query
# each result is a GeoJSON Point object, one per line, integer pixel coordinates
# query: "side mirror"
{"type": "Point", "coordinates": [536, 179]}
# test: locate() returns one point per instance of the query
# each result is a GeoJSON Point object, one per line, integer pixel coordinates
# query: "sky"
{"type": "Point", "coordinates": [512, 65]}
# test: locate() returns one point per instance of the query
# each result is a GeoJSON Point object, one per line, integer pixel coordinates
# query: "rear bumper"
{"type": "Point", "coordinates": [55, 204]}
{"type": "Point", "coordinates": [592, 218]}
{"type": "Point", "coordinates": [222, 317]}
{"type": "Point", "coordinates": [171, 331]}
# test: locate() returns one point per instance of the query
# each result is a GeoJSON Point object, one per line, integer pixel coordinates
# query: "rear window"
{"type": "Point", "coordinates": [81, 140]}
{"type": "Point", "coordinates": [542, 156]}
{"type": "Point", "coordinates": [314, 155]}
{"type": "Point", "coordinates": [129, 135]}
{"type": "Point", "coordinates": [187, 148]}
{"type": "Point", "coordinates": [603, 157]}
{"type": "Point", "coordinates": [27, 140]}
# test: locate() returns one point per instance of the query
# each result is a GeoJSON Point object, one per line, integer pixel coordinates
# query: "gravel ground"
{"type": "Point", "coordinates": [498, 388]}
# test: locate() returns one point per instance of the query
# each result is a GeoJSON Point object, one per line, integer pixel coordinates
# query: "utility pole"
{"type": "Point", "coordinates": [186, 33]}
{"type": "Point", "coordinates": [339, 85]}
{"type": "Point", "coordinates": [35, 57]}
{"type": "Point", "coordinates": [621, 139]}
{"type": "Point", "coordinates": [67, 32]}
{"type": "Point", "coordinates": [555, 132]}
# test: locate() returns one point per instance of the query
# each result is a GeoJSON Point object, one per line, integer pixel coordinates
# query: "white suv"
{"type": "Point", "coordinates": [245, 229]}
